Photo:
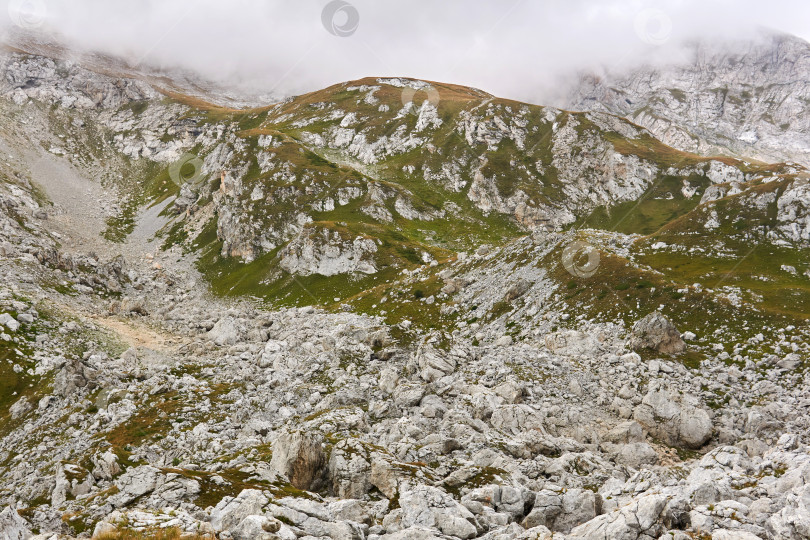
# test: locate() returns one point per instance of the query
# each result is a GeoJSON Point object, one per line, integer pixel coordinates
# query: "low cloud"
{"type": "Point", "coordinates": [520, 49]}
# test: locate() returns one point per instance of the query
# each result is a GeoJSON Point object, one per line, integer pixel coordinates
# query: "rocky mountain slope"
{"type": "Point", "coordinates": [749, 97]}
{"type": "Point", "coordinates": [390, 309]}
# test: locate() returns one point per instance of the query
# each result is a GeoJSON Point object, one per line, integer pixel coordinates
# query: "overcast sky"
{"type": "Point", "coordinates": [513, 48]}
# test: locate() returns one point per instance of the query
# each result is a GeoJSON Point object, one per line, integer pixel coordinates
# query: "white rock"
{"type": "Point", "coordinates": [9, 322]}
{"type": "Point", "coordinates": [13, 526]}
{"type": "Point", "coordinates": [231, 511]}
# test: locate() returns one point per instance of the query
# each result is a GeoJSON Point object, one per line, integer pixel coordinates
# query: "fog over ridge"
{"type": "Point", "coordinates": [518, 49]}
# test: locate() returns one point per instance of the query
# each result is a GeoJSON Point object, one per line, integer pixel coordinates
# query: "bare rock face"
{"type": "Point", "coordinates": [349, 470]}
{"type": "Point", "coordinates": [67, 84]}
{"type": "Point", "coordinates": [300, 458]}
{"type": "Point", "coordinates": [793, 213]}
{"type": "Point", "coordinates": [327, 253]}
{"type": "Point", "coordinates": [750, 98]}
{"type": "Point", "coordinates": [656, 332]}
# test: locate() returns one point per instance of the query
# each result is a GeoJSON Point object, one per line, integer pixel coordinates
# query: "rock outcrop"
{"type": "Point", "coordinates": [299, 457]}
{"type": "Point", "coordinates": [327, 253]}
{"type": "Point", "coordinates": [12, 526]}
{"type": "Point", "coordinates": [748, 96]}
{"type": "Point", "coordinates": [656, 332]}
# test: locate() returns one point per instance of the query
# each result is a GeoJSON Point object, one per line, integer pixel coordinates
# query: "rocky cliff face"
{"type": "Point", "coordinates": [750, 98]}
{"type": "Point", "coordinates": [327, 253]}
{"type": "Point", "coordinates": [67, 84]}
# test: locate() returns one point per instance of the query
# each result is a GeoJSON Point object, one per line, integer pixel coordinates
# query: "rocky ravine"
{"type": "Point", "coordinates": [134, 401]}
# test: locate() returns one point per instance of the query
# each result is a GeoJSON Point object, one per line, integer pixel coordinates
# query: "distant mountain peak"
{"type": "Point", "coordinates": [746, 97]}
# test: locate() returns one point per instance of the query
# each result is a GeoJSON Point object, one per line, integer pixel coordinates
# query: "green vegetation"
{"type": "Point", "coordinates": [662, 203]}
{"type": "Point", "coordinates": [349, 197]}
{"type": "Point", "coordinates": [156, 187]}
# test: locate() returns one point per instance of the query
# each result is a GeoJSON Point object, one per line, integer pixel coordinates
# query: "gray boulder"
{"type": "Point", "coordinates": [674, 419]}
{"type": "Point", "coordinates": [578, 506]}
{"type": "Point", "coordinates": [656, 332]}
{"type": "Point", "coordinates": [637, 455]}
{"type": "Point", "coordinates": [20, 408]}
{"type": "Point", "coordinates": [547, 506]}
{"type": "Point", "coordinates": [643, 518]}
{"type": "Point", "coordinates": [232, 511]}
{"type": "Point", "coordinates": [626, 432]}
{"type": "Point", "coordinates": [384, 476]}
{"type": "Point", "coordinates": [793, 521]}
{"type": "Point", "coordinates": [74, 376]}
{"type": "Point", "coordinates": [434, 365]}
{"type": "Point", "coordinates": [136, 483]}
{"type": "Point", "coordinates": [133, 305]}
{"type": "Point", "coordinates": [226, 331]}
{"type": "Point", "coordinates": [256, 527]}
{"type": "Point", "coordinates": [428, 507]}
{"type": "Point", "coordinates": [517, 290]}
{"type": "Point", "coordinates": [105, 466]}
{"type": "Point", "coordinates": [9, 322]}
{"type": "Point", "coordinates": [561, 512]}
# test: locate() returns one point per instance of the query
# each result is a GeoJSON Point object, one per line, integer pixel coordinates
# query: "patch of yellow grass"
{"type": "Point", "coordinates": [163, 534]}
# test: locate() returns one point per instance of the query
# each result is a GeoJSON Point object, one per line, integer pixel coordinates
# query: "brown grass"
{"type": "Point", "coordinates": [196, 103]}
{"type": "Point", "coordinates": [163, 534]}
